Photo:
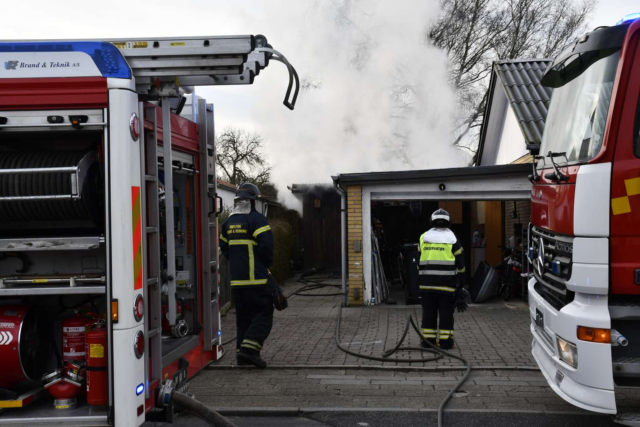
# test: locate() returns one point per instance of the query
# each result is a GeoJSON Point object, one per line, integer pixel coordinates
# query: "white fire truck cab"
{"type": "Point", "coordinates": [108, 241]}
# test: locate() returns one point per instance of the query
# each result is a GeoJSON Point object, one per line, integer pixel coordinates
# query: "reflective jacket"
{"type": "Point", "coordinates": [246, 240]}
{"type": "Point", "coordinates": [441, 265]}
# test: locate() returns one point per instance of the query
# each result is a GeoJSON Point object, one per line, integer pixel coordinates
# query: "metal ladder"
{"type": "Point", "coordinates": [163, 64]}
{"type": "Point", "coordinates": [151, 246]}
{"type": "Point", "coordinates": [209, 224]}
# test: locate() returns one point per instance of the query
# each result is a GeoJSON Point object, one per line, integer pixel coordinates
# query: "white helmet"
{"type": "Point", "coordinates": [440, 219]}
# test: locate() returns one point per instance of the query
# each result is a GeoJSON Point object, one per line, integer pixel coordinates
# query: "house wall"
{"type": "Point", "coordinates": [511, 145]}
{"type": "Point", "coordinates": [493, 232]}
{"type": "Point", "coordinates": [355, 280]}
{"type": "Point", "coordinates": [493, 135]}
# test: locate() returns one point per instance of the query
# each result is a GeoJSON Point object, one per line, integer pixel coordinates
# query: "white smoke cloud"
{"type": "Point", "coordinates": [359, 53]}
{"type": "Point", "coordinates": [379, 97]}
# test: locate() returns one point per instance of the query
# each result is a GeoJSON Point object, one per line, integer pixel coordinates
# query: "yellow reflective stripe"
{"type": "Point", "coordinates": [252, 267]}
{"type": "Point", "coordinates": [223, 239]}
{"type": "Point", "coordinates": [446, 331]}
{"type": "Point", "coordinates": [242, 242]}
{"type": "Point", "coordinates": [437, 273]}
{"type": "Point", "coordinates": [462, 270]}
{"type": "Point", "coordinates": [458, 252]}
{"type": "Point", "coordinates": [437, 288]}
{"type": "Point", "coordinates": [250, 346]}
{"type": "Point", "coordinates": [261, 230]}
{"type": "Point", "coordinates": [436, 262]}
{"type": "Point", "coordinates": [429, 330]}
{"type": "Point", "coordinates": [252, 342]}
{"type": "Point", "coordinates": [248, 282]}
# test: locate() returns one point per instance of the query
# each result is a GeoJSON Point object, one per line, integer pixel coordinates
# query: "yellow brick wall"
{"type": "Point", "coordinates": [355, 279]}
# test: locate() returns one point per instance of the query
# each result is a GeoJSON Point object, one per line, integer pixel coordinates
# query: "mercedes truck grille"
{"type": "Point", "coordinates": [552, 256]}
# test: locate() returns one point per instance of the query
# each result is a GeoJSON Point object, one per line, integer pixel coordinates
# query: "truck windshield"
{"type": "Point", "coordinates": [578, 111]}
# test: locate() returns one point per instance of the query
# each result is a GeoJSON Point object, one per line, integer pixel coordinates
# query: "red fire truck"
{"type": "Point", "coordinates": [108, 243]}
{"type": "Point", "coordinates": [584, 240]}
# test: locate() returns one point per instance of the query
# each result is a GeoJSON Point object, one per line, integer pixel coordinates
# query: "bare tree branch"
{"type": "Point", "coordinates": [241, 159]}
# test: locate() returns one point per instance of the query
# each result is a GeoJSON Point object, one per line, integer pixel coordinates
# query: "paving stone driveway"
{"type": "Point", "coordinates": [487, 335]}
{"type": "Point", "coordinates": [493, 335]}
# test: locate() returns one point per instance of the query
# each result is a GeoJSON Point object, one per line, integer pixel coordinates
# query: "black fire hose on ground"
{"type": "Point", "coordinates": [437, 351]}
{"type": "Point", "coordinates": [167, 394]}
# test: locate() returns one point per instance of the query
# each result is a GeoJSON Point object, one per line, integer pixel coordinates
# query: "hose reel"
{"type": "Point", "coordinates": [49, 185]}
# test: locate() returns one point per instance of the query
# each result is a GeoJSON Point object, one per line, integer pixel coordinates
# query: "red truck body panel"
{"type": "Point", "coordinates": [54, 93]}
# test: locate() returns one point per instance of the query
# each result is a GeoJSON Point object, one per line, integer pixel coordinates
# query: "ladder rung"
{"type": "Point", "coordinates": [152, 230]}
{"type": "Point", "coordinates": [213, 263]}
{"type": "Point", "coordinates": [210, 146]}
{"type": "Point", "coordinates": [212, 185]}
{"type": "Point", "coordinates": [152, 281]}
{"type": "Point", "coordinates": [212, 224]}
{"type": "Point", "coordinates": [154, 332]}
{"type": "Point", "coordinates": [150, 178]}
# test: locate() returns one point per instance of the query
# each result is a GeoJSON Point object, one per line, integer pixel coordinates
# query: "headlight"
{"type": "Point", "coordinates": [568, 352]}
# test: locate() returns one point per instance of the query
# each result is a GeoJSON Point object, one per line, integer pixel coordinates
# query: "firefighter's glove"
{"type": "Point", "coordinates": [279, 300]}
{"type": "Point", "coordinates": [462, 298]}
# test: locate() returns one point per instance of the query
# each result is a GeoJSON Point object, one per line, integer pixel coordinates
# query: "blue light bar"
{"type": "Point", "coordinates": [139, 389]}
{"type": "Point", "coordinates": [628, 18]}
{"type": "Point", "coordinates": [106, 56]}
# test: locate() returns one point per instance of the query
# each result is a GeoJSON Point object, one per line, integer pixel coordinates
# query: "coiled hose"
{"type": "Point", "coordinates": [438, 352]}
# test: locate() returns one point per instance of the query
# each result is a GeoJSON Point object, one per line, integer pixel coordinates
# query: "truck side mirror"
{"type": "Point", "coordinates": [534, 149]}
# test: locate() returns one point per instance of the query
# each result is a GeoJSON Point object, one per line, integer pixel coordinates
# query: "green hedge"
{"type": "Point", "coordinates": [283, 237]}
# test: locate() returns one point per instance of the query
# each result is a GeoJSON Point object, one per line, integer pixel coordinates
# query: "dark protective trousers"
{"type": "Point", "coordinates": [436, 305]}
{"type": "Point", "coordinates": [254, 316]}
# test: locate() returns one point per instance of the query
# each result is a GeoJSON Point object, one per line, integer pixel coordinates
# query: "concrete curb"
{"type": "Point", "coordinates": [301, 411]}
{"type": "Point", "coordinates": [380, 368]}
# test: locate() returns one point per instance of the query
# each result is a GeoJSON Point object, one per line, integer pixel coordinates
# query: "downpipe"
{"type": "Point", "coordinates": [343, 236]}
{"type": "Point", "coordinates": [168, 395]}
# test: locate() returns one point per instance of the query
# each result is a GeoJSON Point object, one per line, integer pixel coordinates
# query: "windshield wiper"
{"type": "Point", "coordinates": [557, 175]}
{"type": "Point", "coordinates": [535, 177]}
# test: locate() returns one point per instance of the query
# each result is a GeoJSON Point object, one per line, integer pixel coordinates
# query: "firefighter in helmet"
{"type": "Point", "coordinates": [246, 240]}
{"type": "Point", "coordinates": [441, 277]}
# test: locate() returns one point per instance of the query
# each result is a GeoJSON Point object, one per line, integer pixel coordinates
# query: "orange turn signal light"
{"type": "Point", "coordinates": [114, 311]}
{"type": "Point", "coordinates": [594, 334]}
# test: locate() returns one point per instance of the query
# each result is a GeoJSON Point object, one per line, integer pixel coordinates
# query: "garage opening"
{"type": "Point", "coordinates": [491, 232]}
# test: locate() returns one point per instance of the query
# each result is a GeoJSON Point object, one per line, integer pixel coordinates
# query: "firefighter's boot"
{"type": "Point", "coordinates": [242, 362]}
{"type": "Point", "coordinates": [446, 344]}
{"type": "Point", "coordinates": [251, 357]}
{"type": "Point", "coordinates": [431, 340]}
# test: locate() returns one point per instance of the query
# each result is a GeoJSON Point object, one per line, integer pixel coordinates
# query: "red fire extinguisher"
{"type": "Point", "coordinates": [73, 336]}
{"type": "Point", "coordinates": [97, 378]}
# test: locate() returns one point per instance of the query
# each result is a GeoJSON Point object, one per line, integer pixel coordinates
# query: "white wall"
{"type": "Point", "coordinates": [504, 141]}
{"type": "Point", "coordinates": [227, 197]}
{"type": "Point", "coordinates": [512, 145]}
{"type": "Point", "coordinates": [493, 134]}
